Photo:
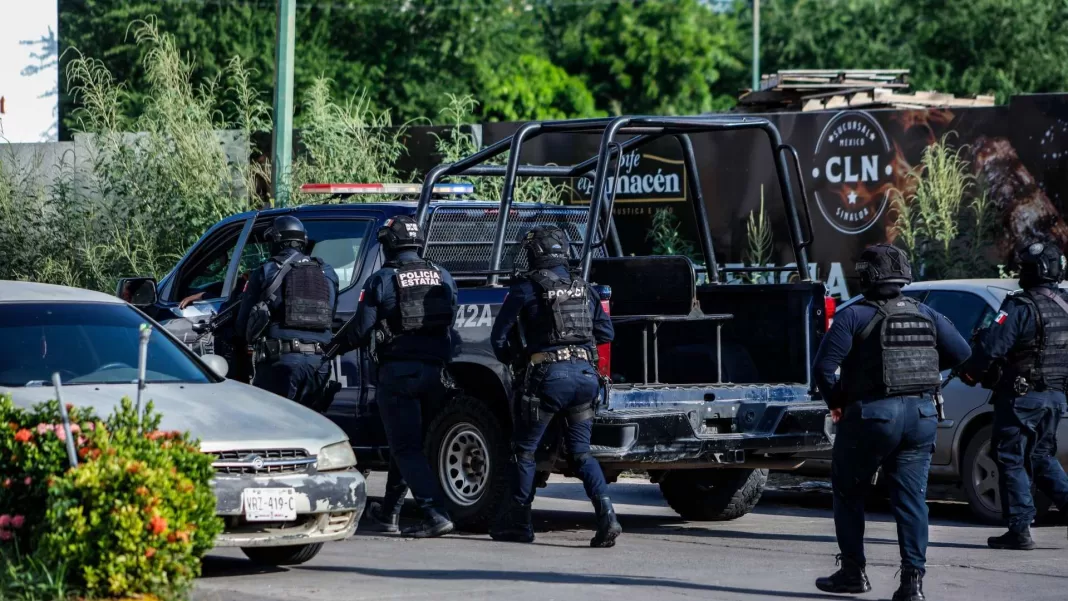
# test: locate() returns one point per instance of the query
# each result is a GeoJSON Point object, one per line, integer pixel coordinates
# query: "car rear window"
{"type": "Point", "coordinates": [86, 343]}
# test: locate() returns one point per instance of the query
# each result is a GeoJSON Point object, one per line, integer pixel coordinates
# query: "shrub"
{"type": "Point", "coordinates": [135, 516]}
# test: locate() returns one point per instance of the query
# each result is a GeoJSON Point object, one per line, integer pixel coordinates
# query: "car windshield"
{"type": "Point", "coordinates": [86, 343]}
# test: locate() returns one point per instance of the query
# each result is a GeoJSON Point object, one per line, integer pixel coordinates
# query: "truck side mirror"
{"type": "Point", "coordinates": [139, 292]}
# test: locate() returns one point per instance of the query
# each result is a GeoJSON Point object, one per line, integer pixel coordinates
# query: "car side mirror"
{"type": "Point", "coordinates": [139, 292]}
{"type": "Point", "coordinates": [216, 364]}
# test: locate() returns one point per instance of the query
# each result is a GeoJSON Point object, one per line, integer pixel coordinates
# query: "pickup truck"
{"type": "Point", "coordinates": [710, 384]}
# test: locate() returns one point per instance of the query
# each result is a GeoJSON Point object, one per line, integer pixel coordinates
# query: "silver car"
{"type": "Point", "coordinates": [285, 476]}
{"type": "Point", "coordinates": [962, 453]}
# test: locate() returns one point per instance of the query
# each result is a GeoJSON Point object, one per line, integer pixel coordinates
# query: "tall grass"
{"type": "Point", "coordinates": [665, 235]}
{"type": "Point", "coordinates": [943, 219]}
{"type": "Point", "coordinates": [759, 241]}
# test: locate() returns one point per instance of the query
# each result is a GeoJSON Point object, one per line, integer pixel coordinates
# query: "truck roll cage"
{"type": "Point", "coordinates": [643, 130]}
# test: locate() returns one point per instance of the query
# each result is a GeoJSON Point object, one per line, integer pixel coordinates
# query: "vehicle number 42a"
{"type": "Point", "coordinates": [474, 316]}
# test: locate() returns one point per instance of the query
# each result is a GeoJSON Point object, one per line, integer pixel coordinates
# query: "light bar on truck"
{"type": "Point", "coordinates": [385, 188]}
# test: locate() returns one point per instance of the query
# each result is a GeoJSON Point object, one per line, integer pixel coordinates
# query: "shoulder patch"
{"type": "Point", "coordinates": [1001, 317]}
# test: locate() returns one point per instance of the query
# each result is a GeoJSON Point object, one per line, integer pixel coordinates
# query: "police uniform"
{"type": "Point", "coordinates": [287, 314]}
{"type": "Point", "coordinates": [1023, 357]}
{"type": "Point", "coordinates": [890, 349]}
{"type": "Point", "coordinates": [561, 320]}
{"type": "Point", "coordinates": [407, 309]}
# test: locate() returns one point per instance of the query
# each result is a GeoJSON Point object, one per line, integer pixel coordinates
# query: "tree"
{"type": "Point", "coordinates": [648, 56]}
{"type": "Point", "coordinates": [1003, 47]}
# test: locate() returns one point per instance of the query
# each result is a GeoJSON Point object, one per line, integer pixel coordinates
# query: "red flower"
{"type": "Point", "coordinates": [5, 521]}
{"type": "Point", "coordinates": [133, 467]}
{"type": "Point", "coordinates": [157, 525]}
{"type": "Point", "coordinates": [23, 435]}
{"type": "Point", "coordinates": [18, 521]}
{"type": "Point", "coordinates": [28, 481]}
{"type": "Point", "coordinates": [7, 483]}
{"type": "Point", "coordinates": [6, 535]}
{"type": "Point", "coordinates": [141, 491]}
{"type": "Point", "coordinates": [150, 552]}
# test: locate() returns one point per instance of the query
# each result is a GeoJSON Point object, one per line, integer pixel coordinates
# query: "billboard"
{"type": "Point", "coordinates": [29, 71]}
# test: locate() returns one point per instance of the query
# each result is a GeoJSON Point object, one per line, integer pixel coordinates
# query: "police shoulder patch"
{"type": "Point", "coordinates": [1001, 317]}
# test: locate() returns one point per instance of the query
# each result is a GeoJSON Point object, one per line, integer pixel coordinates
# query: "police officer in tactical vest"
{"type": "Point", "coordinates": [406, 312]}
{"type": "Point", "coordinates": [1023, 358]}
{"type": "Point", "coordinates": [890, 349]}
{"type": "Point", "coordinates": [548, 328]}
{"type": "Point", "coordinates": [287, 313]}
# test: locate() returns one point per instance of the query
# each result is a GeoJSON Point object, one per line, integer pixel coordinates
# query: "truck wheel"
{"type": "Point", "coordinates": [282, 556]}
{"type": "Point", "coordinates": [713, 495]}
{"type": "Point", "coordinates": [979, 479]}
{"type": "Point", "coordinates": [468, 449]}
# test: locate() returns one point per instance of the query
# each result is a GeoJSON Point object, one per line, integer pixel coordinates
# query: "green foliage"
{"type": "Point", "coordinates": [943, 223]}
{"type": "Point", "coordinates": [759, 241]}
{"type": "Point", "coordinates": [350, 143]}
{"type": "Point", "coordinates": [135, 516]}
{"type": "Point", "coordinates": [535, 88]}
{"type": "Point", "coordinates": [649, 56]}
{"type": "Point", "coordinates": [667, 240]}
{"type": "Point", "coordinates": [1003, 47]}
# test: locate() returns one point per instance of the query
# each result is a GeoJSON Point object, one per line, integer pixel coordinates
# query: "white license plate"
{"type": "Point", "coordinates": [269, 504]}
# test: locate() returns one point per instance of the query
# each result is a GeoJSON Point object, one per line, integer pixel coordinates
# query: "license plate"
{"type": "Point", "coordinates": [269, 504]}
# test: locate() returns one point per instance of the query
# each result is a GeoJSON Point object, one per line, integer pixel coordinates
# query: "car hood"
{"type": "Point", "coordinates": [224, 416]}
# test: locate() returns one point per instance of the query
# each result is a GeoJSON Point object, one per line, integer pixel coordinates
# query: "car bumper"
{"type": "Point", "coordinates": [329, 506]}
{"type": "Point", "coordinates": [743, 433]}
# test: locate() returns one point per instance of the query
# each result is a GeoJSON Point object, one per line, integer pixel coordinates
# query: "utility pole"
{"type": "Point", "coordinates": [282, 155]}
{"type": "Point", "coordinates": [756, 45]}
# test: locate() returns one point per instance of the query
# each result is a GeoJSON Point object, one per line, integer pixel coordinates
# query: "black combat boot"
{"type": "Point", "coordinates": [851, 579]}
{"type": "Point", "coordinates": [911, 588]}
{"type": "Point", "coordinates": [608, 528]}
{"type": "Point", "coordinates": [380, 521]}
{"type": "Point", "coordinates": [435, 523]}
{"type": "Point", "coordinates": [1015, 541]}
{"type": "Point", "coordinates": [513, 525]}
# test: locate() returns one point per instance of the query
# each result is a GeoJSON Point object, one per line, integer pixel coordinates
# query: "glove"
{"type": "Point", "coordinates": [968, 379]}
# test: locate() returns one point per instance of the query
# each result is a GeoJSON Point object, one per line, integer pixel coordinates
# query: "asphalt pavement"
{"type": "Point", "coordinates": [776, 552]}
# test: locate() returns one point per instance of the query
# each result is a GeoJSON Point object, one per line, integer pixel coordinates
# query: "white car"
{"type": "Point", "coordinates": [285, 476]}
{"type": "Point", "coordinates": [962, 449]}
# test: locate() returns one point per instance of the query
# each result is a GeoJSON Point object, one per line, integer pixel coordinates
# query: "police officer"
{"type": "Point", "coordinates": [1023, 358]}
{"type": "Point", "coordinates": [406, 311]}
{"type": "Point", "coordinates": [890, 349]}
{"type": "Point", "coordinates": [561, 321]}
{"type": "Point", "coordinates": [287, 314]}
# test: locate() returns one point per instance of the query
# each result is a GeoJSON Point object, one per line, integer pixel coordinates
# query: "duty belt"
{"type": "Point", "coordinates": [564, 354]}
{"type": "Point", "coordinates": [272, 349]}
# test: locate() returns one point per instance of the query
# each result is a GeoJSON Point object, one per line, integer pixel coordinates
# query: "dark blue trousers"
{"type": "Point", "coordinates": [1024, 447]}
{"type": "Point", "coordinates": [898, 434]}
{"type": "Point", "coordinates": [403, 387]}
{"type": "Point", "coordinates": [296, 376]}
{"type": "Point", "coordinates": [560, 386]}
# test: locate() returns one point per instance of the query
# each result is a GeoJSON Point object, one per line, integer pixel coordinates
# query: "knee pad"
{"type": "Point", "coordinates": [576, 460]}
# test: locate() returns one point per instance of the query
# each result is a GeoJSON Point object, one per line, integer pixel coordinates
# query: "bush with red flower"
{"type": "Point", "coordinates": [135, 516]}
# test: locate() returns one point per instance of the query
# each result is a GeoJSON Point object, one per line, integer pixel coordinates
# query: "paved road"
{"type": "Point", "coordinates": [774, 553]}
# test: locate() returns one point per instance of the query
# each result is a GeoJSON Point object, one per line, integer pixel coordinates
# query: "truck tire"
{"type": "Point", "coordinates": [713, 495]}
{"type": "Point", "coordinates": [282, 556]}
{"type": "Point", "coordinates": [979, 479]}
{"type": "Point", "coordinates": [468, 450]}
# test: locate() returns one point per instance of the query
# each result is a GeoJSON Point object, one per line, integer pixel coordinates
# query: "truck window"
{"type": "Point", "coordinates": [205, 271]}
{"type": "Point", "coordinates": [337, 242]}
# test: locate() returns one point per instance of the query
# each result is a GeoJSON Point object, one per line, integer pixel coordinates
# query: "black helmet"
{"type": "Point", "coordinates": [400, 232]}
{"type": "Point", "coordinates": [883, 264]}
{"type": "Point", "coordinates": [1040, 262]}
{"type": "Point", "coordinates": [287, 230]}
{"type": "Point", "coordinates": [545, 245]}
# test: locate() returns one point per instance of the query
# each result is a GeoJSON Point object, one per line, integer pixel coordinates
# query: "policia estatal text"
{"type": "Point", "coordinates": [1023, 358]}
{"type": "Point", "coordinates": [406, 314]}
{"type": "Point", "coordinates": [548, 329]}
{"type": "Point", "coordinates": [286, 315]}
{"type": "Point", "coordinates": [890, 349]}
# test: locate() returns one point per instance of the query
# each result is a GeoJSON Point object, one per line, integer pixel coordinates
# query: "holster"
{"type": "Point", "coordinates": [528, 404]}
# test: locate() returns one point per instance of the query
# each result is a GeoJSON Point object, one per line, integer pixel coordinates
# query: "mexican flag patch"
{"type": "Point", "coordinates": [1001, 317]}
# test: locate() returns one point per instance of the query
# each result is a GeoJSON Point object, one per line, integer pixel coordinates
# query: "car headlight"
{"type": "Point", "coordinates": [337, 456]}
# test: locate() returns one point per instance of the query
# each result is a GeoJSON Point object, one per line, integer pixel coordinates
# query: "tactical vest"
{"type": "Point", "coordinates": [424, 303]}
{"type": "Point", "coordinates": [1044, 359]}
{"type": "Point", "coordinates": [306, 291]}
{"type": "Point", "coordinates": [906, 358]}
{"type": "Point", "coordinates": [565, 317]}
